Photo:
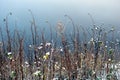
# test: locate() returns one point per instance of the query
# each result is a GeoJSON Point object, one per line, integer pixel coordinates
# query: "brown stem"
{"type": "Point", "coordinates": [21, 58]}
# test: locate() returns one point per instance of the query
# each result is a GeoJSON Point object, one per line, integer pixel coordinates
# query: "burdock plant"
{"type": "Point", "coordinates": [60, 28]}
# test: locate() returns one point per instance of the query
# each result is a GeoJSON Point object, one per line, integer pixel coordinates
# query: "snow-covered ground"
{"type": "Point", "coordinates": [116, 71]}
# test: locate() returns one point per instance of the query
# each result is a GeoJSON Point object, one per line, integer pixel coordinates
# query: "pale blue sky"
{"type": "Point", "coordinates": [103, 11]}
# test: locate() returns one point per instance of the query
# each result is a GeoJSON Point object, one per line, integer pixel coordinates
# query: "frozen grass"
{"type": "Point", "coordinates": [72, 58]}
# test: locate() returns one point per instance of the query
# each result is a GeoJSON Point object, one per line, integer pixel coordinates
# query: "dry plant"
{"type": "Point", "coordinates": [74, 57]}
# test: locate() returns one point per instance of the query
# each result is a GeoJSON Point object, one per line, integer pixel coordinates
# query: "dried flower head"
{"type": "Point", "coordinates": [48, 53]}
{"type": "Point", "coordinates": [60, 27]}
{"type": "Point", "coordinates": [40, 47]}
{"type": "Point", "coordinates": [48, 44]}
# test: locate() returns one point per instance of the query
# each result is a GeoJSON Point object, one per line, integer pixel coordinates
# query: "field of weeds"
{"type": "Point", "coordinates": [74, 57]}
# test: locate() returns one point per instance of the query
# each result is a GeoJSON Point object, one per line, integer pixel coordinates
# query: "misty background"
{"type": "Point", "coordinates": [105, 12]}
